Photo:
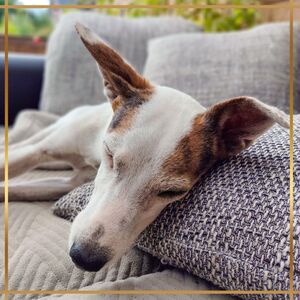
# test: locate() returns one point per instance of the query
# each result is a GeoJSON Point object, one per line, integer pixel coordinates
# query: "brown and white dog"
{"type": "Point", "coordinates": [153, 143]}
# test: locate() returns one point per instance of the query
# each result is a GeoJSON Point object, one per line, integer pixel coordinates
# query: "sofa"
{"type": "Point", "coordinates": [38, 256]}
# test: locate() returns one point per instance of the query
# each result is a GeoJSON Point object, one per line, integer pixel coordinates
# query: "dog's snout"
{"type": "Point", "coordinates": [91, 260]}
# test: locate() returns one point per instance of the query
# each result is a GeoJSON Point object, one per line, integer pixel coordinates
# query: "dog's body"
{"type": "Point", "coordinates": [74, 139]}
{"type": "Point", "coordinates": [146, 148]}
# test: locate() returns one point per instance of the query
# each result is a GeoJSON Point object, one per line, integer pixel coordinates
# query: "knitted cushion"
{"type": "Point", "coordinates": [233, 227]}
{"type": "Point", "coordinates": [70, 205]}
{"type": "Point", "coordinates": [71, 74]}
{"type": "Point", "coordinates": [220, 66]}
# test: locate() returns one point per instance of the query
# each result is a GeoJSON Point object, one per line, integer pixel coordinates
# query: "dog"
{"type": "Point", "coordinates": [146, 147]}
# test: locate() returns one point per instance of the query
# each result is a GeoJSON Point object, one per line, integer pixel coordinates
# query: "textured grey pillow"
{"type": "Point", "coordinates": [210, 67]}
{"type": "Point", "coordinates": [71, 75]}
{"type": "Point", "coordinates": [70, 205]}
{"type": "Point", "coordinates": [233, 227]}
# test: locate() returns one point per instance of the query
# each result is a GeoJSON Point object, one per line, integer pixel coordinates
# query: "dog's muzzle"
{"type": "Point", "coordinates": [85, 258]}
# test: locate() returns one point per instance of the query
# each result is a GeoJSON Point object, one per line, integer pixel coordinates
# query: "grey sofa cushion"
{"type": "Point", "coordinates": [211, 67]}
{"type": "Point", "coordinates": [71, 75]}
{"type": "Point", "coordinates": [233, 227]}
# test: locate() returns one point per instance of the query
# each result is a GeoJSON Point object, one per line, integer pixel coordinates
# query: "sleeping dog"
{"type": "Point", "coordinates": [145, 148]}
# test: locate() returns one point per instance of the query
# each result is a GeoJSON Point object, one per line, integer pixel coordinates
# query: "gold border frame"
{"type": "Point", "coordinates": [6, 292]}
{"type": "Point", "coordinates": [291, 148]}
{"type": "Point", "coordinates": [6, 153]}
{"type": "Point", "coordinates": [154, 6]}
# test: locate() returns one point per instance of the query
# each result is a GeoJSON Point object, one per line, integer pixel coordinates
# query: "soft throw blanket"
{"type": "Point", "coordinates": [38, 256]}
{"type": "Point", "coordinates": [29, 122]}
{"type": "Point", "coordinates": [38, 260]}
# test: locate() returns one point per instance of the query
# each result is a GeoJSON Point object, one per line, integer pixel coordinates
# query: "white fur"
{"type": "Point", "coordinates": [168, 114]}
{"type": "Point", "coordinates": [87, 34]}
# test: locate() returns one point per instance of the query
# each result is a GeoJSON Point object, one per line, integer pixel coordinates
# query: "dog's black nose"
{"type": "Point", "coordinates": [89, 260]}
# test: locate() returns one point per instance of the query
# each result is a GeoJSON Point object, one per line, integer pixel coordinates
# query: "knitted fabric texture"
{"type": "Point", "coordinates": [233, 227]}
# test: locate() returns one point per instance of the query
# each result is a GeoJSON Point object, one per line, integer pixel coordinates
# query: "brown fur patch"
{"type": "Point", "coordinates": [119, 74]}
{"type": "Point", "coordinates": [122, 119]}
{"type": "Point", "coordinates": [116, 103]}
{"type": "Point", "coordinates": [224, 130]}
{"type": "Point", "coordinates": [194, 154]}
{"type": "Point", "coordinates": [109, 60]}
{"type": "Point", "coordinates": [126, 109]}
{"type": "Point", "coordinates": [125, 88]}
{"type": "Point", "coordinates": [234, 124]}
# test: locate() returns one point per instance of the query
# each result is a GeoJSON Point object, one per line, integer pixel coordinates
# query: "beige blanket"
{"type": "Point", "coordinates": [38, 255]}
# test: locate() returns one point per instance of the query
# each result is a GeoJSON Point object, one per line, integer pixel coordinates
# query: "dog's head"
{"type": "Point", "coordinates": [157, 145]}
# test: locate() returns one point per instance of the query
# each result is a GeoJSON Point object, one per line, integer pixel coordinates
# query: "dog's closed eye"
{"type": "Point", "coordinates": [171, 194]}
{"type": "Point", "coordinates": [109, 155]}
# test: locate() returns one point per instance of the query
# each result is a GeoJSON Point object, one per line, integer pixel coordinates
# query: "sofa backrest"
{"type": "Point", "coordinates": [217, 66]}
{"type": "Point", "coordinates": [71, 76]}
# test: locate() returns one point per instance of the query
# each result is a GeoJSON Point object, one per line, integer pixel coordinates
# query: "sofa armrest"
{"type": "Point", "coordinates": [25, 83]}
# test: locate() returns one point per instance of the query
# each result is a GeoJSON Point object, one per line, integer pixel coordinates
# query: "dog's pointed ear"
{"type": "Point", "coordinates": [121, 81]}
{"type": "Point", "coordinates": [237, 123]}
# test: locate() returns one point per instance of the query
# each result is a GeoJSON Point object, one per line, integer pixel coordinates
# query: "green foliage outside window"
{"type": "Point", "coordinates": [212, 20]}
{"type": "Point", "coordinates": [26, 23]}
